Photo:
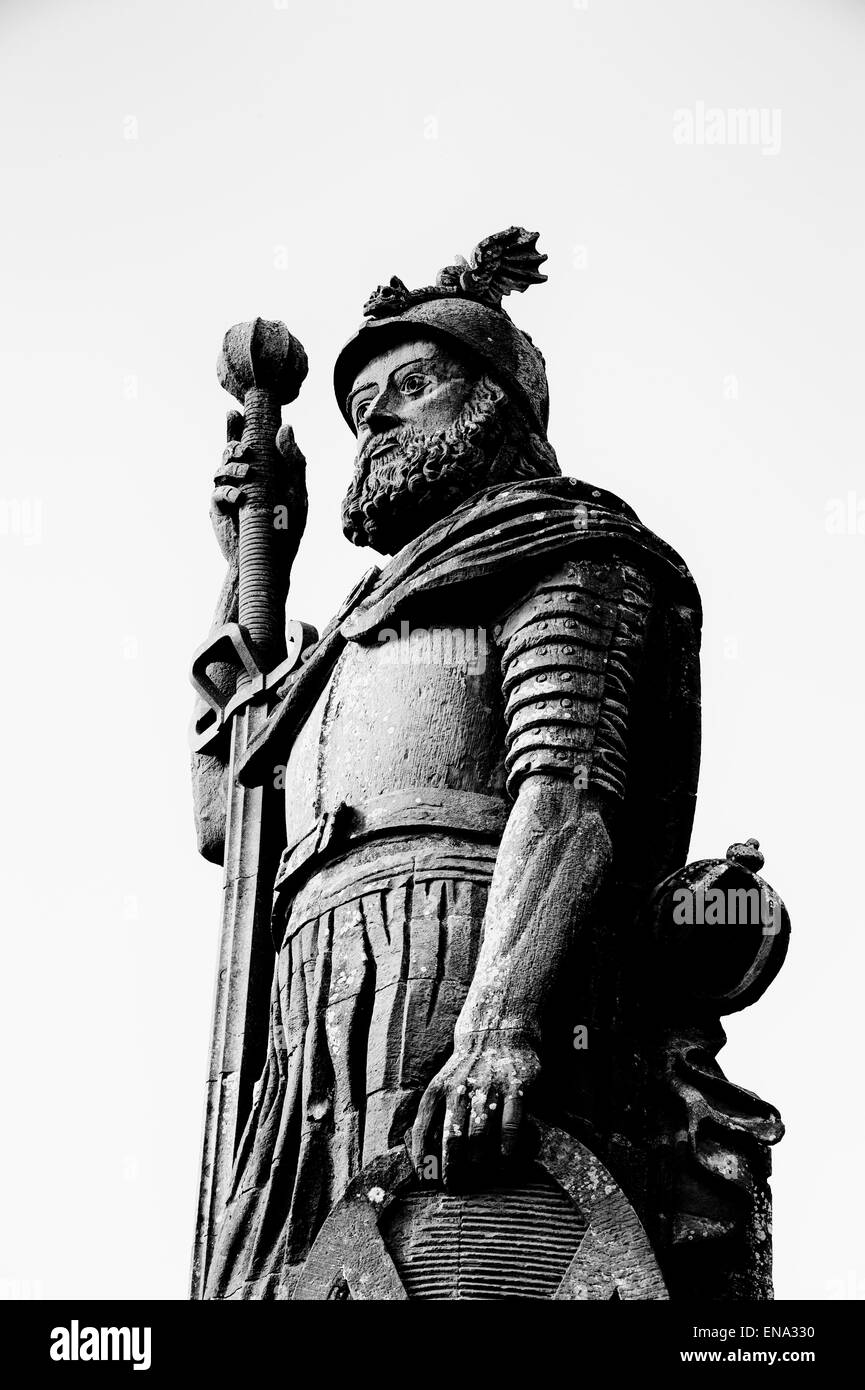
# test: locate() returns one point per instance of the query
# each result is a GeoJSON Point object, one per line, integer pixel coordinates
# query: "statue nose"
{"type": "Point", "coordinates": [378, 420]}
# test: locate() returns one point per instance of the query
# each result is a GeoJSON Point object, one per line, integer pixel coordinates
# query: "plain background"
{"type": "Point", "coordinates": [173, 166]}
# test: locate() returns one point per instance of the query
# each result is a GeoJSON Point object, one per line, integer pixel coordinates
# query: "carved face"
{"type": "Point", "coordinates": [428, 428]}
{"type": "Point", "coordinates": [417, 383]}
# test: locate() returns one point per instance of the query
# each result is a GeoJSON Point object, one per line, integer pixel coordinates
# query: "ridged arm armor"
{"type": "Point", "coordinates": [571, 651]}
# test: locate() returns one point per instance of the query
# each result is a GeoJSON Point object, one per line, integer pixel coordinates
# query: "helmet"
{"type": "Point", "coordinates": [462, 309]}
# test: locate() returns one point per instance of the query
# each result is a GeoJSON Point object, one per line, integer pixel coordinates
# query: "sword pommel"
{"type": "Point", "coordinates": [262, 354]}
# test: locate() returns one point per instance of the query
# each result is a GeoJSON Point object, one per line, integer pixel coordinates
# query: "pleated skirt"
{"type": "Point", "coordinates": [377, 956]}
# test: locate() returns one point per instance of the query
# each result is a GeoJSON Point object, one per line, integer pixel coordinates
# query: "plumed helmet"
{"type": "Point", "coordinates": [464, 309]}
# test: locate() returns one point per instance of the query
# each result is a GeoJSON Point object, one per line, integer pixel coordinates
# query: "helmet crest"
{"type": "Point", "coordinates": [500, 264]}
{"type": "Point", "coordinates": [463, 308]}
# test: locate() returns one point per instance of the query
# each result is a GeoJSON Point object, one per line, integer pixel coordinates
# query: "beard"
{"type": "Point", "coordinates": [394, 498]}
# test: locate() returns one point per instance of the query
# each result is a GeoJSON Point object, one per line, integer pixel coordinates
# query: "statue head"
{"type": "Point", "coordinates": [444, 393]}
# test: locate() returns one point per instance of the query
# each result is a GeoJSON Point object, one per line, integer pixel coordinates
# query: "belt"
{"type": "Point", "coordinates": [436, 808]}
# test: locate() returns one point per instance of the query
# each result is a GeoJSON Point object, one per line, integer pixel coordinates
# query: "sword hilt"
{"type": "Point", "coordinates": [263, 366]}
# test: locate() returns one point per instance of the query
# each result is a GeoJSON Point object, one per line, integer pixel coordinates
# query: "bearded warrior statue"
{"type": "Point", "coordinates": [454, 831]}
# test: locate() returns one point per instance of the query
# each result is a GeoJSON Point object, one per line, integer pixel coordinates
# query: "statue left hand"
{"type": "Point", "coordinates": [483, 1087]}
{"type": "Point", "coordinates": [290, 493]}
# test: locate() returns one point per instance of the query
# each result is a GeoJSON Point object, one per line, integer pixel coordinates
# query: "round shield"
{"type": "Point", "coordinates": [557, 1226]}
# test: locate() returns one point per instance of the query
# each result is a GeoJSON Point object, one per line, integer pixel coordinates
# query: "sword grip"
{"type": "Point", "coordinates": [260, 594]}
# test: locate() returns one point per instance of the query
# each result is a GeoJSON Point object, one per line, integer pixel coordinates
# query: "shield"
{"type": "Point", "coordinates": [557, 1226]}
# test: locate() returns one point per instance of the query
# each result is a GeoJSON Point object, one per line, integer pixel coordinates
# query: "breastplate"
{"type": "Point", "coordinates": [419, 709]}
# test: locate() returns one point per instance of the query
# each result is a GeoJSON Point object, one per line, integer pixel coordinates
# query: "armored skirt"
{"type": "Point", "coordinates": [376, 960]}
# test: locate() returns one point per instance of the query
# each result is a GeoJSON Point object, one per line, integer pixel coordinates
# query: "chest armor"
{"type": "Point", "coordinates": [419, 709]}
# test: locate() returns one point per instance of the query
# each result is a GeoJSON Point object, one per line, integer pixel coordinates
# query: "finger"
{"type": "Point", "coordinates": [285, 441]}
{"type": "Point", "coordinates": [454, 1134]}
{"type": "Point", "coordinates": [225, 497]}
{"type": "Point", "coordinates": [422, 1125]}
{"type": "Point", "coordinates": [233, 426]}
{"type": "Point", "coordinates": [233, 467]}
{"type": "Point", "coordinates": [482, 1125]}
{"type": "Point", "coordinates": [512, 1115]}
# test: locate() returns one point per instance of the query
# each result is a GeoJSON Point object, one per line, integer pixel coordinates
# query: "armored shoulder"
{"type": "Point", "coordinates": [571, 649]}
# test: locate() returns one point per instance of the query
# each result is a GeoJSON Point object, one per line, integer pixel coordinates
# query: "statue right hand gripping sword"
{"type": "Point", "coordinates": [467, 791]}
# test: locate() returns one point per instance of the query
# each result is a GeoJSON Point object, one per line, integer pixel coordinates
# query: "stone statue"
{"type": "Point", "coordinates": [454, 830]}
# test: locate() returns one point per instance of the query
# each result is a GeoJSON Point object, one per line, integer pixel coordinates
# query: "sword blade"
{"type": "Point", "coordinates": [240, 1010]}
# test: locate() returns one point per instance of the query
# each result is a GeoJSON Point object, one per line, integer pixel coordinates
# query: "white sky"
{"type": "Point", "coordinates": [703, 331]}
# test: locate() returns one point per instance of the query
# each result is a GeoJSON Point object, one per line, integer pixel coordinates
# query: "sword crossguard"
{"type": "Point", "coordinates": [226, 645]}
{"type": "Point", "coordinates": [229, 646]}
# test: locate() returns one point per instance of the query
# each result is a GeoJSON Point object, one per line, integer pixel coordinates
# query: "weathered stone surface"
{"type": "Point", "coordinates": [553, 1225]}
{"type": "Point", "coordinates": [470, 801]}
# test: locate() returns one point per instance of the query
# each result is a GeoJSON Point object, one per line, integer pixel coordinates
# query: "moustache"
{"type": "Point", "coordinates": [387, 441]}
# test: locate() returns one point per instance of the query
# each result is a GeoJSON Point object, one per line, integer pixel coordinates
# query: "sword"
{"type": "Point", "coordinates": [263, 366]}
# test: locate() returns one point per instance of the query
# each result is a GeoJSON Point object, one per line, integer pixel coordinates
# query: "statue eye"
{"type": "Point", "coordinates": [412, 384]}
{"type": "Point", "coordinates": [361, 413]}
